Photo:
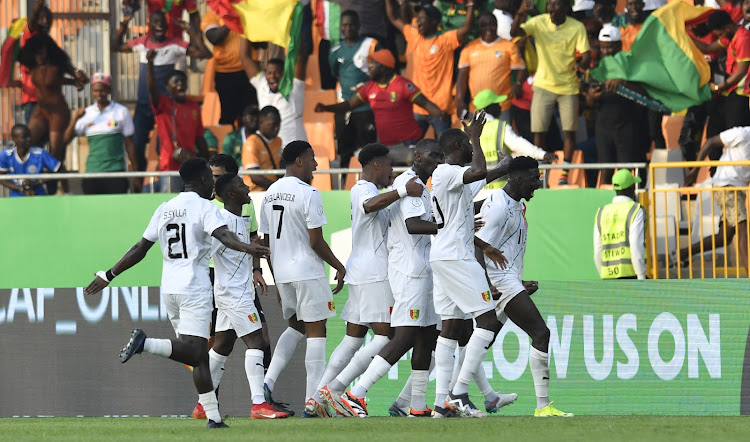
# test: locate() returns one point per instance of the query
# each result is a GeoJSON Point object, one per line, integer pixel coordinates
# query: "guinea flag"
{"type": "Point", "coordinates": [9, 51]}
{"type": "Point", "coordinates": [275, 21]}
{"type": "Point", "coordinates": [663, 58]}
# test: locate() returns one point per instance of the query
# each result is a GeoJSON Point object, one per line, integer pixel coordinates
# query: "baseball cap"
{"type": "Point", "coordinates": [486, 98]}
{"type": "Point", "coordinates": [103, 78]}
{"type": "Point", "coordinates": [610, 33]}
{"type": "Point", "coordinates": [384, 57]}
{"type": "Point", "coordinates": [623, 179]}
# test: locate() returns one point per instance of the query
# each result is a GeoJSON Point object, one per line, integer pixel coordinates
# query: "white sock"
{"type": "Point", "coordinates": [377, 369]}
{"type": "Point", "coordinates": [359, 362]}
{"type": "Point", "coordinates": [210, 405]}
{"type": "Point", "coordinates": [445, 351]}
{"type": "Point", "coordinates": [315, 364]}
{"type": "Point", "coordinates": [419, 379]}
{"type": "Point", "coordinates": [405, 397]}
{"type": "Point", "coordinates": [216, 364]}
{"type": "Point", "coordinates": [254, 372]}
{"type": "Point", "coordinates": [477, 347]}
{"type": "Point", "coordinates": [340, 357]}
{"type": "Point", "coordinates": [159, 347]}
{"type": "Point", "coordinates": [539, 364]}
{"type": "Point", "coordinates": [283, 352]}
{"type": "Point", "coordinates": [480, 378]}
{"type": "Point", "coordinates": [457, 367]}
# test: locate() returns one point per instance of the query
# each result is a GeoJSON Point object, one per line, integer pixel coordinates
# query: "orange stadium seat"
{"type": "Point", "coordinates": [211, 109]}
{"type": "Point", "coordinates": [322, 181]}
{"type": "Point", "coordinates": [351, 178]}
{"type": "Point", "coordinates": [576, 177]}
{"type": "Point", "coordinates": [321, 137]}
{"type": "Point", "coordinates": [671, 125]}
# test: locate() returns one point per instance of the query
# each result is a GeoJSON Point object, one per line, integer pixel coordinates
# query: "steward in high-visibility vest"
{"type": "Point", "coordinates": [498, 138]}
{"type": "Point", "coordinates": [619, 247]}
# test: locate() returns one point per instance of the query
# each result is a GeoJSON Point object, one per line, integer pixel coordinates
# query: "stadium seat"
{"type": "Point", "coordinates": [322, 181]}
{"type": "Point", "coordinates": [671, 125]}
{"type": "Point", "coordinates": [321, 137]}
{"type": "Point", "coordinates": [211, 109]}
{"type": "Point", "coordinates": [667, 176]}
{"type": "Point", "coordinates": [351, 178]}
{"type": "Point", "coordinates": [220, 131]}
{"type": "Point", "coordinates": [576, 177]}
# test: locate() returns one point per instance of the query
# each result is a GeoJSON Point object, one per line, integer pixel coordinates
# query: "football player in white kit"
{"type": "Point", "coordinates": [183, 226]}
{"type": "Point", "coordinates": [505, 227]}
{"type": "Point", "coordinates": [234, 296]}
{"type": "Point", "coordinates": [370, 298]}
{"type": "Point", "coordinates": [460, 286]}
{"type": "Point", "coordinates": [291, 220]}
{"type": "Point", "coordinates": [410, 278]}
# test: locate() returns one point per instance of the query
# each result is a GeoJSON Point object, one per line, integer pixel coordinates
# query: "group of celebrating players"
{"type": "Point", "coordinates": [424, 274]}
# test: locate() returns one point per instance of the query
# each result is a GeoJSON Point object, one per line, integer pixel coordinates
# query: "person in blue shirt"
{"type": "Point", "coordinates": [26, 159]}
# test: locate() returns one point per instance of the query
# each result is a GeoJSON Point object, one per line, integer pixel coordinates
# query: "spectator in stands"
{"type": "Point", "coordinates": [503, 13]}
{"type": "Point", "coordinates": [604, 12]}
{"type": "Point", "coordinates": [40, 20]}
{"type": "Point", "coordinates": [348, 61]}
{"type": "Point", "coordinates": [637, 17]}
{"type": "Point", "coordinates": [25, 159]}
{"type": "Point", "coordinates": [212, 143]}
{"type": "Point", "coordinates": [733, 204]}
{"type": "Point", "coordinates": [582, 9]}
{"type": "Point", "coordinates": [232, 84]}
{"type": "Point", "coordinates": [266, 85]}
{"type": "Point", "coordinates": [262, 150]}
{"type": "Point", "coordinates": [178, 123]}
{"type": "Point", "coordinates": [171, 50]}
{"type": "Point", "coordinates": [616, 117]}
{"type": "Point", "coordinates": [173, 10]}
{"type": "Point", "coordinates": [619, 232]}
{"type": "Point", "coordinates": [557, 38]}
{"type": "Point", "coordinates": [487, 63]}
{"type": "Point", "coordinates": [390, 97]}
{"type": "Point", "coordinates": [454, 14]}
{"type": "Point", "coordinates": [48, 65]}
{"type": "Point", "coordinates": [433, 59]}
{"type": "Point", "coordinates": [732, 7]}
{"type": "Point", "coordinates": [734, 110]}
{"type": "Point", "coordinates": [232, 144]}
{"type": "Point", "coordinates": [108, 127]}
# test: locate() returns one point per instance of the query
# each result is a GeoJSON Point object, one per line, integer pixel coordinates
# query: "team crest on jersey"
{"type": "Point", "coordinates": [414, 314]}
{"type": "Point", "coordinates": [33, 169]}
{"type": "Point", "coordinates": [394, 96]}
{"type": "Point", "coordinates": [411, 87]}
{"type": "Point", "coordinates": [486, 296]}
{"type": "Point", "coordinates": [112, 123]}
{"type": "Point", "coordinates": [331, 306]}
{"type": "Point", "coordinates": [498, 54]}
{"type": "Point", "coordinates": [433, 49]}
{"type": "Point", "coordinates": [253, 318]}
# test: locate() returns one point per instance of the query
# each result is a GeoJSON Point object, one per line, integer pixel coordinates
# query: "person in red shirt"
{"type": "Point", "coordinates": [173, 9]}
{"type": "Point", "coordinates": [178, 123]}
{"type": "Point", "coordinates": [390, 97]}
{"type": "Point", "coordinates": [732, 7]}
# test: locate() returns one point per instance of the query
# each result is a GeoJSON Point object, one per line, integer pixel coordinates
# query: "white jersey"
{"type": "Point", "coordinates": [505, 228]}
{"type": "Point", "coordinates": [407, 253]}
{"type": "Point", "coordinates": [289, 209]}
{"type": "Point", "coordinates": [183, 227]}
{"type": "Point", "coordinates": [233, 270]}
{"type": "Point", "coordinates": [368, 261]}
{"type": "Point", "coordinates": [453, 209]}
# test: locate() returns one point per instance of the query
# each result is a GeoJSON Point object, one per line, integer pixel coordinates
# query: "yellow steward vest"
{"type": "Point", "coordinates": [613, 223]}
{"type": "Point", "coordinates": [489, 142]}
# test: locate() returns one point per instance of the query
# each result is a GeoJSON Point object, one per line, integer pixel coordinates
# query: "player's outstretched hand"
{"type": "Point", "coordinates": [258, 250]}
{"type": "Point", "coordinates": [339, 280]}
{"type": "Point", "coordinates": [531, 286]}
{"type": "Point", "coordinates": [258, 281]}
{"type": "Point", "coordinates": [413, 188]}
{"type": "Point", "coordinates": [497, 257]}
{"type": "Point", "coordinates": [96, 286]}
{"type": "Point", "coordinates": [477, 124]}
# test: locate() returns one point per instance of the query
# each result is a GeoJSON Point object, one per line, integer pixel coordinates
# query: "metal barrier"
{"type": "Point", "coordinates": [687, 223]}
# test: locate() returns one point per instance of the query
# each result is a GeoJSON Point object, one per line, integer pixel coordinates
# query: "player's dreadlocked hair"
{"type": "Point", "coordinates": [370, 152]}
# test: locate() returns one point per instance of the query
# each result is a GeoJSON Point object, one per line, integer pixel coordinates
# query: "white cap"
{"type": "Point", "coordinates": [610, 33]}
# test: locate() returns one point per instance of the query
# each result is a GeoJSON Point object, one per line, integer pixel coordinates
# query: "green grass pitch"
{"type": "Point", "coordinates": [589, 428]}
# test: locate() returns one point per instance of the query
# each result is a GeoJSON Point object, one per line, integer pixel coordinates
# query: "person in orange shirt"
{"type": "Point", "coordinates": [433, 59]}
{"type": "Point", "coordinates": [262, 150]}
{"type": "Point", "coordinates": [232, 83]}
{"type": "Point", "coordinates": [637, 17]}
{"type": "Point", "coordinates": [486, 63]}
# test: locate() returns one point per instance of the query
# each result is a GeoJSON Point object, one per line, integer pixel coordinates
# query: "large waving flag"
{"type": "Point", "coordinates": [275, 21]}
{"type": "Point", "coordinates": [9, 51]}
{"type": "Point", "coordinates": [663, 58]}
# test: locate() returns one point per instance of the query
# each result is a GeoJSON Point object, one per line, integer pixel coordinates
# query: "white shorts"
{"type": "Point", "coordinates": [243, 318]}
{"type": "Point", "coordinates": [190, 315]}
{"type": "Point", "coordinates": [460, 289]}
{"type": "Point", "coordinates": [368, 303]}
{"type": "Point", "coordinates": [509, 287]}
{"type": "Point", "coordinates": [311, 300]}
{"type": "Point", "coordinates": [413, 306]}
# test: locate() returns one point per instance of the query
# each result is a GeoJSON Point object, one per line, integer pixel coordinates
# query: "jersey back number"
{"type": "Point", "coordinates": [176, 239]}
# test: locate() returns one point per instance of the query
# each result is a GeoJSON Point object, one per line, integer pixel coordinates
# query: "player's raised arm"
{"type": "Point", "coordinates": [478, 167]}
{"type": "Point", "coordinates": [418, 226]}
{"type": "Point", "coordinates": [128, 260]}
{"type": "Point", "coordinates": [383, 200]}
{"type": "Point", "coordinates": [229, 239]}
{"type": "Point", "coordinates": [321, 248]}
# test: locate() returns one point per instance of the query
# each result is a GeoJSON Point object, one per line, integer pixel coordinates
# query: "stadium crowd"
{"type": "Point", "coordinates": [399, 68]}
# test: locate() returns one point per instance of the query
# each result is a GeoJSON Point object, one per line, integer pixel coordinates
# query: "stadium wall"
{"type": "Point", "coordinates": [623, 347]}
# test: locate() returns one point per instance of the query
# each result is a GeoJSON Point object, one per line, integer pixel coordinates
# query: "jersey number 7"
{"type": "Point", "coordinates": [281, 218]}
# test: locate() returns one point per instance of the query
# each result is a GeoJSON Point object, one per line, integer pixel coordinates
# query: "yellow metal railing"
{"type": "Point", "coordinates": [672, 211]}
